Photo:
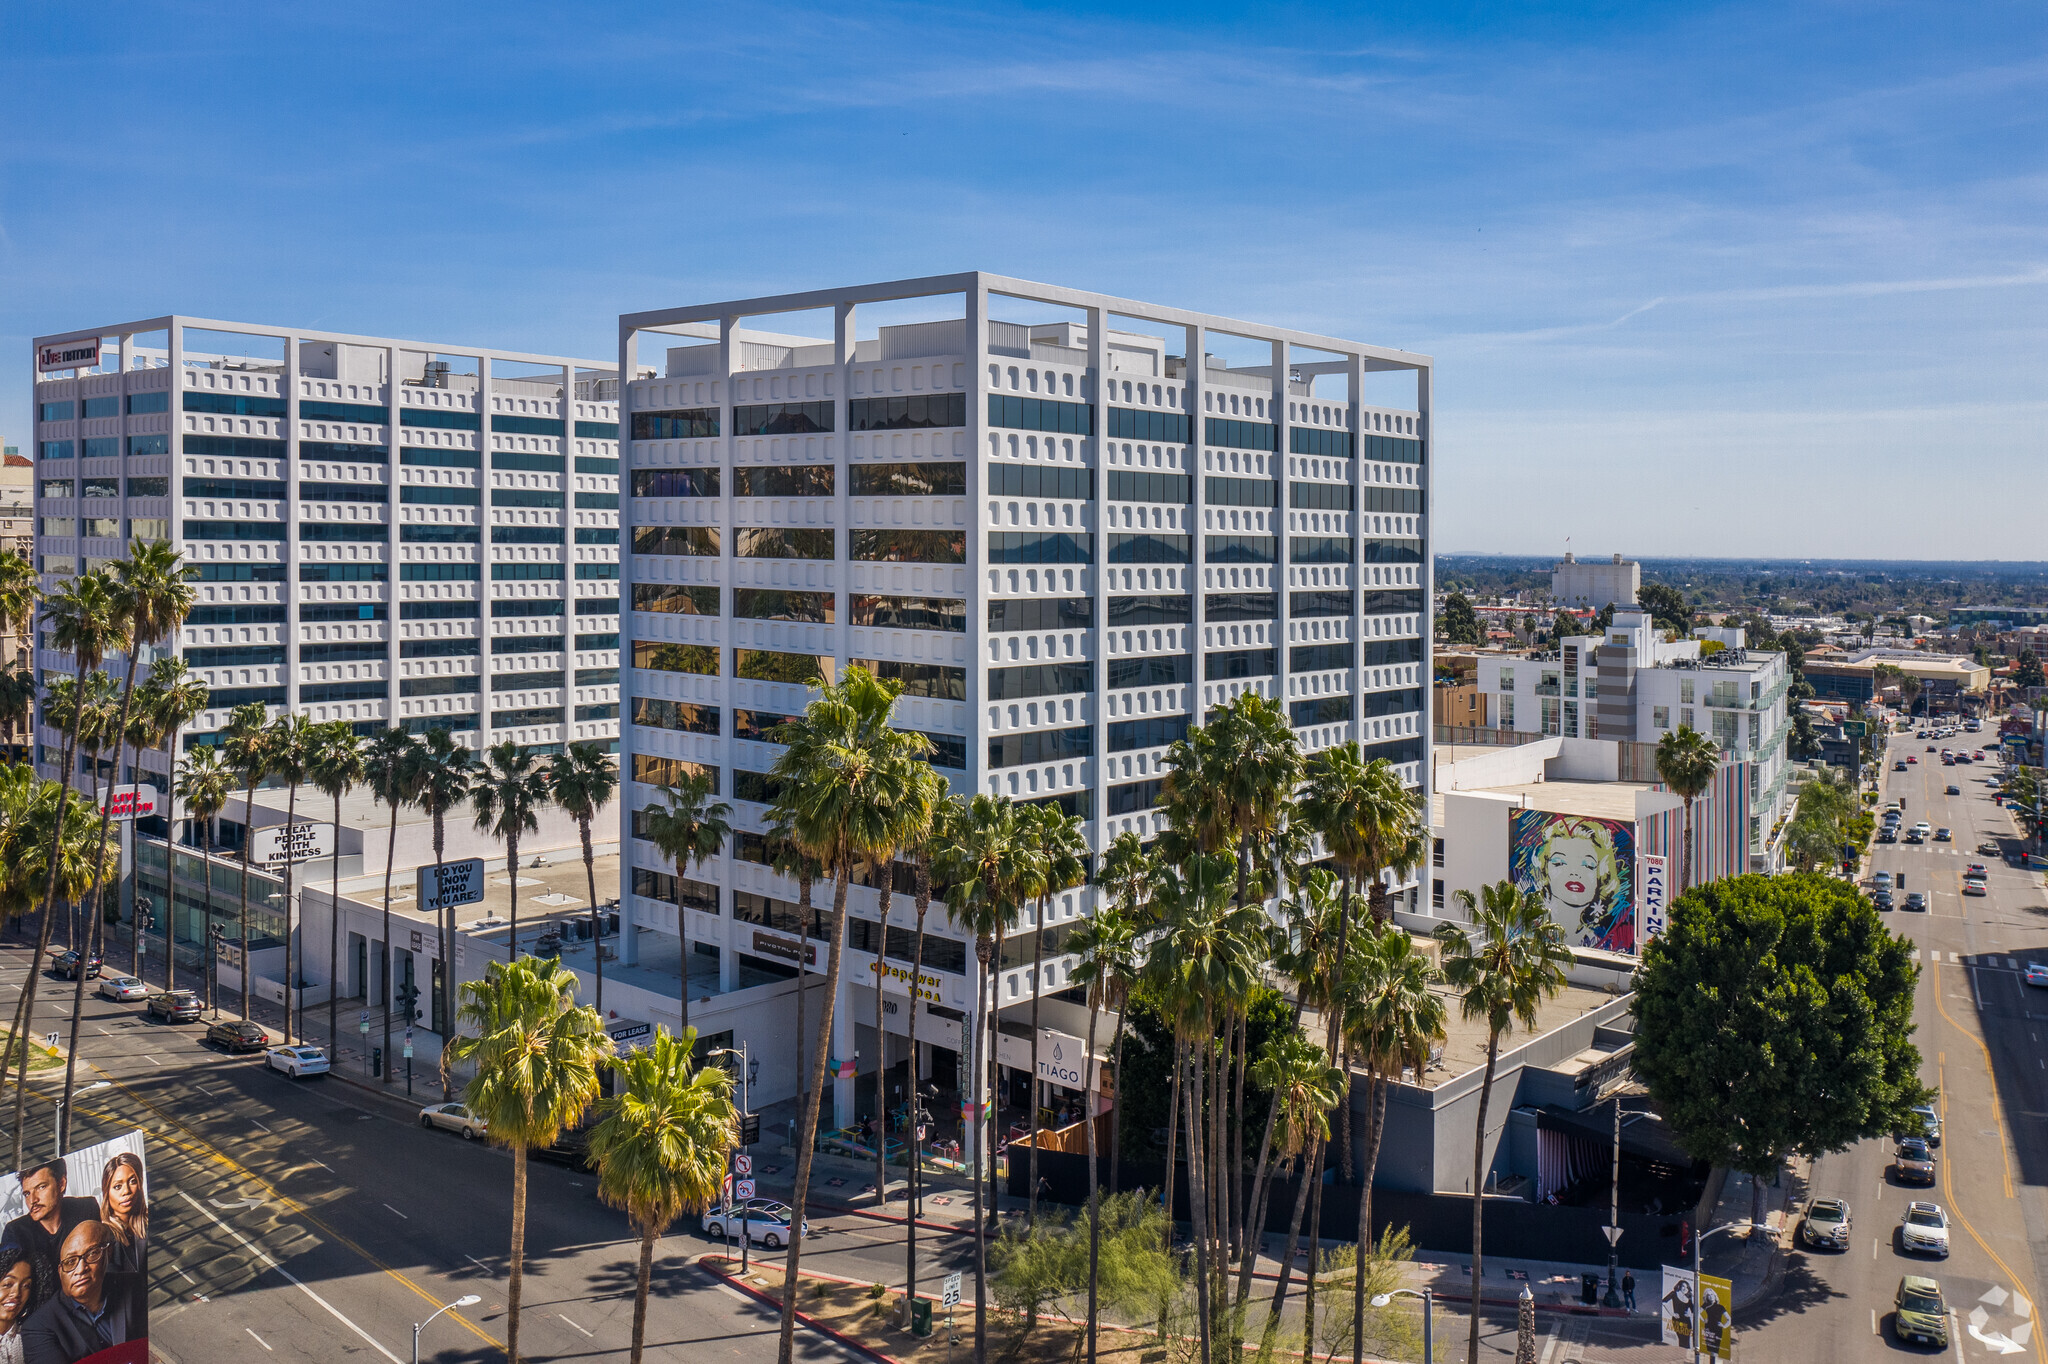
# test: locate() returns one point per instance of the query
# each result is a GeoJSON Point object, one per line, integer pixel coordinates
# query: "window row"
{"type": "Point", "coordinates": [916, 413]}
{"type": "Point", "coordinates": [1040, 414]}
{"type": "Point", "coordinates": [1127, 423]}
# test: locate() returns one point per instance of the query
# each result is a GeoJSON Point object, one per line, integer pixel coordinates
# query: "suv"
{"type": "Point", "coordinates": [1919, 1314]}
{"type": "Point", "coordinates": [238, 1034]}
{"type": "Point", "coordinates": [1826, 1224]}
{"type": "Point", "coordinates": [67, 966]}
{"type": "Point", "coordinates": [1924, 1228]}
{"type": "Point", "coordinates": [176, 1006]}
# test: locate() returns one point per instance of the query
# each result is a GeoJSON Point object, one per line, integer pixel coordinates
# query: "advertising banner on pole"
{"type": "Point", "coordinates": [1705, 1310]}
{"type": "Point", "coordinates": [74, 1257]}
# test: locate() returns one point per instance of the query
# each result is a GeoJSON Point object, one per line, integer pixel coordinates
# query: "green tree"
{"type": "Point", "coordinates": [1306, 1088]}
{"type": "Point", "coordinates": [1503, 973]}
{"type": "Point", "coordinates": [1126, 879]}
{"type": "Point", "coordinates": [1107, 959]}
{"type": "Point", "coordinates": [245, 743]}
{"type": "Point", "coordinates": [930, 814]}
{"type": "Point", "coordinates": [1063, 862]}
{"type": "Point", "coordinates": [1667, 607]}
{"type": "Point", "coordinates": [388, 768]}
{"type": "Point", "coordinates": [336, 766]}
{"type": "Point", "coordinates": [583, 778]}
{"type": "Point", "coordinates": [1686, 762]}
{"type": "Point", "coordinates": [292, 740]}
{"type": "Point", "coordinates": [660, 1145]}
{"type": "Point", "coordinates": [1563, 626]}
{"type": "Point", "coordinates": [689, 827]}
{"type": "Point", "coordinates": [174, 699]}
{"type": "Point", "coordinates": [2026, 670]}
{"type": "Point", "coordinates": [508, 796]}
{"type": "Point", "coordinates": [204, 787]}
{"type": "Point", "coordinates": [1775, 1015]}
{"type": "Point", "coordinates": [1459, 624]}
{"type": "Point", "coordinates": [536, 1053]}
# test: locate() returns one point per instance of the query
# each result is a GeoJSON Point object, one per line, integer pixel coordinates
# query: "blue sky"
{"type": "Point", "coordinates": [1747, 279]}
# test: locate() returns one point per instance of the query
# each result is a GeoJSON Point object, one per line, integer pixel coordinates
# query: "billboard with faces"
{"type": "Point", "coordinates": [1583, 870]}
{"type": "Point", "coordinates": [74, 1258]}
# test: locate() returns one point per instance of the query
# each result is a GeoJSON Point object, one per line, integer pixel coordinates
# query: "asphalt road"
{"type": "Point", "coordinates": [312, 1221]}
{"type": "Point", "coordinates": [1980, 1037]}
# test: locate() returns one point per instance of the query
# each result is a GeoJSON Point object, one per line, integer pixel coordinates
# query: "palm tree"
{"type": "Point", "coordinates": [1305, 1087]}
{"type": "Point", "coordinates": [388, 767]}
{"type": "Point", "coordinates": [335, 767]}
{"type": "Point", "coordinates": [440, 777]}
{"type": "Point", "coordinates": [1107, 958]}
{"type": "Point", "coordinates": [986, 862]}
{"type": "Point", "coordinates": [909, 817]}
{"type": "Point", "coordinates": [176, 699]}
{"type": "Point", "coordinates": [842, 762]}
{"type": "Point", "coordinates": [536, 1053]}
{"type": "Point", "coordinates": [1687, 761]}
{"type": "Point", "coordinates": [245, 742]}
{"type": "Point", "coordinates": [204, 786]}
{"type": "Point", "coordinates": [1128, 872]}
{"type": "Point", "coordinates": [1062, 859]}
{"type": "Point", "coordinates": [1393, 1021]}
{"type": "Point", "coordinates": [292, 740]}
{"type": "Point", "coordinates": [582, 779]}
{"type": "Point", "coordinates": [1516, 962]}
{"type": "Point", "coordinates": [508, 795]}
{"type": "Point", "coordinates": [661, 1144]}
{"type": "Point", "coordinates": [934, 815]}
{"type": "Point", "coordinates": [787, 858]}
{"type": "Point", "coordinates": [86, 622]}
{"type": "Point", "coordinates": [20, 593]}
{"type": "Point", "coordinates": [101, 709]}
{"type": "Point", "coordinates": [689, 829]}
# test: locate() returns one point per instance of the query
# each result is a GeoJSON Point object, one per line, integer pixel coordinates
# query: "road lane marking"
{"type": "Point", "coordinates": [589, 1336]}
{"type": "Point", "coordinates": [481, 1265]}
{"type": "Point", "coordinates": [259, 1340]}
{"type": "Point", "coordinates": [152, 1060]}
{"type": "Point", "coordinates": [1948, 1183]}
{"type": "Point", "coordinates": [252, 1121]}
{"type": "Point", "coordinates": [395, 1211]}
{"type": "Point", "coordinates": [294, 1280]}
{"type": "Point", "coordinates": [1873, 1321]}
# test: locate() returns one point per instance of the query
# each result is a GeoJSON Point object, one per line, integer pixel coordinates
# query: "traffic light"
{"type": "Point", "coordinates": [408, 997]}
{"type": "Point", "coordinates": [750, 1128]}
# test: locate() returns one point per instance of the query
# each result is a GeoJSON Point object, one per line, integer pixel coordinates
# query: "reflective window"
{"type": "Point", "coordinates": [343, 532]}
{"type": "Point", "coordinates": [675, 482]}
{"type": "Point", "coordinates": [440, 419]}
{"type": "Point", "coordinates": [526, 497]}
{"type": "Point", "coordinates": [1127, 423]}
{"type": "Point", "coordinates": [1230, 606]}
{"type": "Point", "coordinates": [781, 419]}
{"type": "Point", "coordinates": [1238, 549]}
{"type": "Point", "coordinates": [784, 542]}
{"type": "Point", "coordinates": [1304, 440]}
{"type": "Point", "coordinates": [675, 600]}
{"type": "Point", "coordinates": [440, 648]}
{"type": "Point", "coordinates": [1131, 485]}
{"type": "Point", "coordinates": [1239, 492]}
{"type": "Point", "coordinates": [919, 411]}
{"type": "Point", "coordinates": [346, 492]}
{"type": "Point", "coordinates": [768, 665]}
{"type": "Point", "coordinates": [1036, 547]}
{"type": "Point", "coordinates": [783, 480]}
{"type": "Point", "coordinates": [149, 445]}
{"type": "Point", "coordinates": [698, 540]}
{"type": "Point", "coordinates": [1161, 610]}
{"type": "Point", "coordinates": [1040, 414]}
{"type": "Point", "coordinates": [1319, 549]}
{"type": "Point", "coordinates": [921, 679]}
{"type": "Point", "coordinates": [687, 423]}
{"type": "Point", "coordinates": [656, 713]}
{"type": "Point", "coordinates": [1315, 658]}
{"type": "Point", "coordinates": [1040, 480]}
{"type": "Point", "coordinates": [1041, 613]}
{"type": "Point", "coordinates": [433, 459]}
{"type": "Point", "coordinates": [526, 535]}
{"type": "Point", "coordinates": [1320, 496]}
{"type": "Point", "coordinates": [1240, 663]}
{"type": "Point", "coordinates": [1242, 435]}
{"type": "Point", "coordinates": [439, 686]}
{"type": "Point", "coordinates": [1324, 603]}
{"type": "Point", "coordinates": [527, 462]}
{"type": "Point", "coordinates": [895, 546]}
{"type": "Point", "coordinates": [1040, 746]}
{"type": "Point", "coordinates": [235, 404]}
{"type": "Point", "coordinates": [440, 610]}
{"type": "Point", "coordinates": [1156, 732]}
{"type": "Point", "coordinates": [527, 426]}
{"type": "Point", "coordinates": [1158, 670]}
{"type": "Point", "coordinates": [937, 479]}
{"type": "Point", "coordinates": [1043, 679]}
{"type": "Point", "coordinates": [439, 535]}
{"type": "Point", "coordinates": [1324, 710]}
{"type": "Point", "coordinates": [234, 530]}
{"type": "Point", "coordinates": [1135, 796]}
{"type": "Point", "coordinates": [761, 603]}
{"type": "Point", "coordinates": [529, 606]}
{"type": "Point", "coordinates": [910, 613]}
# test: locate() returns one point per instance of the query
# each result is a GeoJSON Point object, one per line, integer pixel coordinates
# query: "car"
{"type": "Point", "coordinates": [1919, 1314]}
{"type": "Point", "coordinates": [1915, 836]}
{"type": "Point", "coordinates": [122, 989]}
{"type": "Point", "coordinates": [1990, 848]}
{"type": "Point", "coordinates": [1899, 766]}
{"type": "Point", "coordinates": [454, 1118]}
{"type": "Point", "coordinates": [1953, 790]}
{"type": "Point", "coordinates": [1973, 869]}
{"type": "Point", "coordinates": [1916, 901]}
{"type": "Point", "coordinates": [1930, 1123]}
{"type": "Point", "coordinates": [1974, 885]}
{"type": "Point", "coordinates": [1882, 899]}
{"type": "Point", "coordinates": [297, 1062]}
{"type": "Point", "coordinates": [176, 1006]}
{"type": "Point", "coordinates": [1888, 834]}
{"type": "Point", "coordinates": [1922, 829]}
{"type": "Point", "coordinates": [67, 965]}
{"type": "Point", "coordinates": [2037, 974]}
{"type": "Point", "coordinates": [761, 1221]}
{"type": "Point", "coordinates": [1942, 835]}
{"type": "Point", "coordinates": [1912, 759]}
{"type": "Point", "coordinates": [1882, 880]}
{"type": "Point", "coordinates": [238, 1034]}
{"type": "Point", "coordinates": [1913, 1161]}
{"type": "Point", "coordinates": [1826, 1224]}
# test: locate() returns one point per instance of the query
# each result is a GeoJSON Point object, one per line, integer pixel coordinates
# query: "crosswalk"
{"type": "Point", "coordinates": [1994, 963]}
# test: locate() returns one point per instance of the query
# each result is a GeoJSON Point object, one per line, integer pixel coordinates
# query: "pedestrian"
{"type": "Point", "coordinates": [1628, 1289]}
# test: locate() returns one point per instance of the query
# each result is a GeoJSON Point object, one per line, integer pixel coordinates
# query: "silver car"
{"type": "Point", "coordinates": [454, 1118]}
{"type": "Point", "coordinates": [1826, 1224]}
{"type": "Point", "coordinates": [122, 989]}
{"type": "Point", "coordinates": [1924, 1230]}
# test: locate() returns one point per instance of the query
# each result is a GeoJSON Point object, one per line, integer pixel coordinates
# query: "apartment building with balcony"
{"type": "Point", "coordinates": [1069, 524]}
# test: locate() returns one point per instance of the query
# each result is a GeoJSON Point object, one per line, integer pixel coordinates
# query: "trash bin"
{"type": "Point", "coordinates": [376, 1060]}
{"type": "Point", "coordinates": [1589, 1289]}
{"type": "Point", "coordinates": [920, 1316]}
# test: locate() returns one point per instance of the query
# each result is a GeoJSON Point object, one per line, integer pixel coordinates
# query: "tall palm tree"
{"type": "Point", "coordinates": [908, 817]}
{"type": "Point", "coordinates": [1107, 959]}
{"type": "Point", "coordinates": [660, 1145]}
{"type": "Point", "coordinates": [1394, 1020]}
{"type": "Point", "coordinates": [508, 796]}
{"type": "Point", "coordinates": [388, 767]}
{"type": "Point", "coordinates": [934, 813]}
{"type": "Point", "coordinates": [987, 861]}
{"type": "Point", "coordinates": [100, 713]}
{"type": "Point", "coordinates": [440, 777]}
{"type": "Point", "coordinates": [336, 767]}
{"type": "Point", "coordinates": [1686, 762]}
{"type": "Point", "coordinates": [1062, 858]}
{"type": "Point", "coordinates": [245, 743]}
{"type": "Point", "coordinates": [582, 779]}
{"type": "Point", "coordinates": [1127, 876]}
{"type": "Point", "coordinates": [176, 699]}
{"type": "Point", "coordinates": [292, 742]}
{"type": "Point", "coordinates": [689, 828]}
{"type": "Point", "coordinates": [86, 621]}
{"type": "Point", "coordinates": [204, 786]}
{"type": "Point", "coordinates": [842, 761]}
{"type": "Point", "coordinates": [1305, 1087]}
{"type": "Point", "coordinates": [1503, 973]}
{"type": "Point", "coordinates": [536, 1053]}
{"type": "Point", "coordinates": [788, 858]}
{"type": "Point", "coordinates": [20, 594]}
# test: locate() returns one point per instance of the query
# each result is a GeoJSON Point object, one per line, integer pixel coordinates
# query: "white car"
{"type": "Point", "coordinates": [122, 989]}
{"type": "Point", "coordinates": [454, 1118]}
{"type": "Point", "coordinates": [2037, 973]}
{"type": "Point", "coordinates": [1924, 1228]}
{"type": "Point", "coordinates": [762, 1221]}
{"type": "Point", "coordinates": [297, 1062]}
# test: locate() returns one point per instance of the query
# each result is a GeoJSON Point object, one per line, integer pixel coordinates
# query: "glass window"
{"type": "Point", "coordinates": [1044, 679]}
{"type": "Point", "coordinates": [102, 407]}
{"type": "Point", "coordinates": [1319, 496]}
{"type": "Point", "coordinates": [1239, 492]}
{"type": "Point", "coordinates": [436, 459]}
{"type": "Point", "coordinates": [414, 496]}
{"type": "Point", "coordinates": [675, 600]}
{"type": "Point", "coordinates": [1131, 485]}
{"type": "Point", "coordinates": [529, 606]}
{"type": "Point", "coordinates": [1239, 663]}
{"type": "Point", "coordinates": [346, 492]}
{"type": "Point", "coordinates": [344, 610]}
{"type": "Point", "coordinates": [149, 487]}
{"type": "Point", "coordinates": [675, 482]}
{"type": "Point", "coordinates": [529, 644]}
{"type": "Point", "coordinates": [1303, 440]}
{"type": "Point", "coordinates": [101, 447]}
{"type": "Point", "coordinates": [1128, 423]}
{"type": "Point", "coordinates": [1041, 613]}
{"type": "Point", "coordinates": [922, 411]}
{"type": "Point", "coordinates": [597, 501]}
{"type": "Point", "coordinates": [527, 535]}
{"type": "Point", "coordinates": [1159, 670]}
{"type": "Point", "coordinates": [597, 431]}
{"type": "Point", "coordinates": [149, 445]}
{"type": "Point", "coordinates": [598, 642]}
{"type": "Point", "coordinates": [59, 487]}
{"type": "Point", "coordinates": [372, 652]}
{"type": "Point", "coordinates": [688, 423]}
{"type": "Point", "coordinates": [234, 447]}
{"type": "Point", "coordinates": [1379, 704]}
{"type": "Point", "coordinates": [525, 572]}
{"type": "Point", "coordinates": [235, 404]}
{"type": "Point", "coordinates": [781, 419]}
{"type": "Point", "coordinates": [1148, 549]}
{"type": "Point", "coordinates": [440, 610]}
{"type": "Point", "coordinates": [1041, 547]}
{"type": "Point", "coordinates": [597, 606]}
{"type": "Point", "coordinates": [1316, 658]}
{"type": "Point", "coordinates": [1156, 732]}
{"type": "Point", "coordinates": [1041, 480]}
{"type": "Point", "coordinates": [100, 487]}
{"type": "Point", "coordinates": [608, 710]}
{"type": "Point", "coordinates": [1040, 414]}
{"type": "Point", "coordinates": [533, 681]}
{"type": "Point", "coordinates": [440, 648]}
{"type": "Point", "coordinates": [526, 497]}
{"type": "Point", "coordinates": [1040, 746]}
{"type": "Point", "coordinates": [696, 540]}
{"type": "Point", "coordinates": [268, 489]}
{"type": "Point", "coordinates": [701, 659]}
{"type": "Point", "coordinates": [440, 419]}
{"type": "Point", "coordinates": [343, 532]}
{"type": "Point", "coordinates": [910, 613]}
{"type": "Point", "coordinates": [527, 426]}
{"type": "Point", "coordinates": [783, 480]}
{"type": "Point", "coordinates": [759, 725]}
{"type": "Point", "coordinates": [438, 573]}
{"type": "Point", "coordinates": [59, 525]}
{"type": "Point", "coordinates": [1223, 607]}
{"type": "Point", "coordinates": [235, 573]}
{"type": "Point", "coordinates": [895, 546]}
{"type": "Point", "coordinates": [439, 686]}
{"type": "Point", "coordinates": [1660, 716]}
{"type": "Point", "coordinates": [234, 530]}
{"type": "Point", "coordinates": [784, 542]}
{"type": "Point", "coordinates": [921, 679]}
{"type": "Point", "coordinates": [768, 665]}
{"type": "Point", "coordinates": [677, 715]}
{"type": "Point", "coordinates": [1135, 796]}
{"type": "Point", "coordinates": [344, 691]}
{"type": "Point", "coordinates": [1325, 602]}
{"type": "Point", "coordinates": [597, 677]}
{"type": "Point", "coordinates": [528, 462]}
{"type": "Point", "coordinates": [594, 571]}
{"type": "Point", "coordinates": [1238, 549]}
{"type": "Point", "coordinates": [63, 411]}
{"type": "Point", "coordinates": [1240, 434]}
{"type": "Point", "coordinates": [344, 451]}
{"type": "Point", "coordinates": [759, 603]}
{"type": "Point", "coordinates": [238, 655]}
{"type": "Point", "coordinates": [55, 449]}
{"type": "Point", "coordinates": [757, 787]}
{"type": "Point", "coordinates": [909, 480]}
{"type": "Point", "coordinates": [1392, 449]}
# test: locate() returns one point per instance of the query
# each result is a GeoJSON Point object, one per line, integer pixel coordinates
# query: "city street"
{"type": "Point", "coordinates": [1978, 1024]}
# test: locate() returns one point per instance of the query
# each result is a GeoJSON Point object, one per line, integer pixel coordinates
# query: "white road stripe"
{"type": "Point", "coordinates": [152, 1060]}
{"type": "Point", "coordinates": [293, 1279]}
{"type": "Point", "coordinates": [588, 1336]}
{"type": "Point", "coordinates": [259, 1340]}
{"type": "Point", "coordinates": [401, 1215]}
{"type": "Point", "coordinates": [252, 1121]}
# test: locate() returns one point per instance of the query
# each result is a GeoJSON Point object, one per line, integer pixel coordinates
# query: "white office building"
{"type": "Point", "coordinates": [1632, 684]}
{"type": "Point", "coordinates": [380, 531]}
{"type": "Point", "coordinates": [1069, 524]}
{"type": "Point", "coordinates": [1589, 585]}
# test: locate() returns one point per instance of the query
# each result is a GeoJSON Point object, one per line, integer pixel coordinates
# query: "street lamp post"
{"type": "Point", "coordinates": [746, 1084]}
{"type": "Point", "coordinates": [1699, 1238]}
{"type": "Point", "coordinates": [1617, 1093]}
{"type": "Point", "coordinates": [1428, 1315]}
{"type": "Point", "coordinates": [466, 1300]}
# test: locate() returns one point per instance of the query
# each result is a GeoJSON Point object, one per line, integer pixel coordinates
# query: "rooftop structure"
{"type": "Point", "coordinates": [1590, 584]}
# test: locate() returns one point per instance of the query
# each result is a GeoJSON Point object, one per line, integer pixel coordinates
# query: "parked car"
{"type": "Point", "coordinates": [454, 1118]}
{"type": "Point", "coordinates": [1919, 1314]}
{"type": "Point", "coordinates": [297, 1062]}
{"type": "Point", "coordinates": [1913, 1161]}
{"type": "Point", "coordinates": [67, 966]}
{"type": "Point", "coordinates": [238, 1034]}
{"type": "Point", "coordinates": [122, 989]}
{"type": "Point", "coordinates": [176, 1006]}
{"type": "Point", "coordinates": [2037, 974]}
{"type": "Point", "coordinates": [761, 1221]}
{"type": "Point", "coordinates": [1826, 1224]}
